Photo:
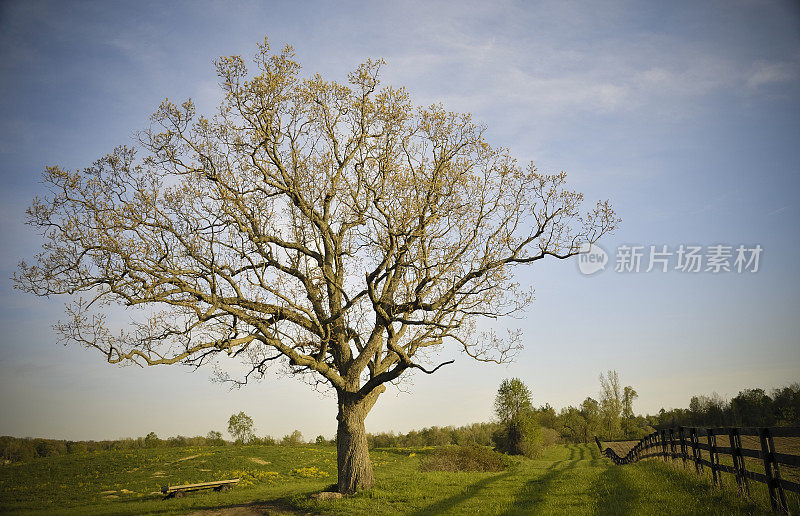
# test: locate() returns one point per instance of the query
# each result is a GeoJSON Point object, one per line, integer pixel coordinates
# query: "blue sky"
{"type": "Point", "coordinates": [686, 115]}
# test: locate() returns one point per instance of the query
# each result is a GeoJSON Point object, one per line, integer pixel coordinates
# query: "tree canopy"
{"type": "Point", "coordinates": [240, 426]}
{"type": "Point", "coordinates": [335, 226]}
{"type": "Point", "coordinates": [513, 399]}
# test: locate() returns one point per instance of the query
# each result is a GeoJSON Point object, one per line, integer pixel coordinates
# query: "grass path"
{"type": "Point", "coordinates": [567, 479]}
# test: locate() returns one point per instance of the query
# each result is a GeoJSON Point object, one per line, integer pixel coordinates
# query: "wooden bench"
{"type": "Point", "coordinates": [180, 491]}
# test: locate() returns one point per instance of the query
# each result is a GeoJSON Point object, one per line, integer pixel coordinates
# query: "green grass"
{"type": "Point", "coordinates": [567, 479]}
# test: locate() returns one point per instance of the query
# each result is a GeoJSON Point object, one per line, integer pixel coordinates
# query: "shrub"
{"type": "Point", "coordinates": [151, 440]}
{"type": "Point", "coordinates": [17, 450]}
{"type": "Point", "coordinates": [470, 457]}
{"type": "Point", "coordinates": [292, 439]}
{"type": "Point", "coordinates": [76, 447]}
{"type": "Point", "coordinates": [214, 438]}
{"type": "Point", "coordinates": [520, 435]}
{"type": "Point", "coordinates": [50, 448]}
{"type": "Point", "coordinates": [550, 437]}
{"type": "Point", "coordinates": [178, 440]}
{"type": "Point", "coordinates": [531, 441]}
{"type": "Point", "coordinates": [267, 440]}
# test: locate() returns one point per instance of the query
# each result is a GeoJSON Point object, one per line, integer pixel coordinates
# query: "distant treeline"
{"type": "Point", "coordinates": [751, 407]}
{"type": "Point", "coordinates": [16, 449]}
{"type": "Point", "coordinates": [478, 433]}
{"type": "Point", "coordinates": [610, 417]}
{"type": "Point", "coordinates": [484, 434]}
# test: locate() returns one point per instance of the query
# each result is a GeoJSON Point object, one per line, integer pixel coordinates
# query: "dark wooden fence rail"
{"type": "Point", "coordinates": [692, 445]}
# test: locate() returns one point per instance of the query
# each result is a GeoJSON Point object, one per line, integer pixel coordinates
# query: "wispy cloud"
{"type": "Point", "coordinates": [768, 73]}
{"type": "Point", "coordinates": [464, 56]}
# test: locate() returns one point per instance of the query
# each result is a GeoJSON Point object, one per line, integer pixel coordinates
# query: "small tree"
{"type": "Point", "coordinates": [611, 404]}
{"type": "Point", "coordinates": [151, 440]}
{"type": "Point", "coordinates": [630, 425]}
{"type": "Point", "coordinates": [520, 433]}
{"type": "Point", "coordinates": [573, 424]}
{"type": "Point", "coordinates": [629, 395]}
{"type": "Point", "coordinates": [240, 426]}
{"type": "Point", "coordinates": [616, 406]}
{"type": "Point", "coordinates": [267, 440]}
{"type": "Point", "coordinates": [590, 410]}
{"type": "Point", "coordinates": [214, 438]}
{"type": "Point", "coordinates": [513, 398]}
{"type": "Point", "coordinates": [293, 439]}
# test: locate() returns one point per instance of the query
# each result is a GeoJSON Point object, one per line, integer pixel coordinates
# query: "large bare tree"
{"type": "Point", "coordinates": [338, 228]}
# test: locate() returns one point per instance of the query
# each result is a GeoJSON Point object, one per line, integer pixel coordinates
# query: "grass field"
{"type": "Point", "coordinates": [567, 479]}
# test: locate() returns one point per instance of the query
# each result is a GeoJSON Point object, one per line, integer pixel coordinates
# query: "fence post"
{"type": "Point", "coordinates": [698, 466]}
{"type": "Point", "coordinates": [681, 435]}
{"type": "Point", "coordinates": [776, 470]}
{"type": "Point", "coordinates": [738, 461]}
{"type": "Point", "coordinates": [664, 444]}
{"type": "Point", "coordinates": [672, 444]}
{"type": "Point", "coordinates": [713, 458]}
{"type": "Point", "coordinates": [654, 443]}
{"type": "Point", "coordinates": [653, 446]}
{"type": "Point", "coordinates": [771, 471]}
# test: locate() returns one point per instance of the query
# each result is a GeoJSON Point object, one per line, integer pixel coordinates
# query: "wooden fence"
{"type": "Point", "coordinates": [721, 450]}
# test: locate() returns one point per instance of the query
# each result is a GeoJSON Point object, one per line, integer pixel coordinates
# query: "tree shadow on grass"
{"type": "Point", "coordinates": [613, 492]}
{"type": "Point", "coordinates": [458, 498]}
{"type": "Point", "coordinates": [276, 507]}
{"type": "Point", "coordinates": [474, 489]}
{"type": "Point", "coordinates": [530, 497]}
{"type": "Point", "coordinates": [704, 495]}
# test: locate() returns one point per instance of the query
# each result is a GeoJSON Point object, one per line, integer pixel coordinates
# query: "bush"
{"type": "Point", "coordinates": [267, 440]}
{"type": "Point", "coordinates": [292, 439]}
{"type": "Point", "coordinates": [531, 443]}
{"type": "Point", "coordinates": [49, 448]}
{"type": "Point", "coordinates": [76, 447]}
{"type": "Point", "coordinates": [470, 457]}
{"type": "Point", "coordinates": [214, 438]}
{"type": "Point", "coordinates": [522, 435]}
{"type": "Point", "coordinates": [17, 450]}
{"type": "Point", "coordinates": [550, 437]}
{"type": "Point", "coordinates": [178, 441]}
{"type": "Point", "coordinates": [152, 440]}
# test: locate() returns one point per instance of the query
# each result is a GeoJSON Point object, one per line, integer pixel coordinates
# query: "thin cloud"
{"type": "Point", "coordinates": [766, 73]}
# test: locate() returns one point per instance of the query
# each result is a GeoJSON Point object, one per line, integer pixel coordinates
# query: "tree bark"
{"type": "Point", "coordinates": [352, 453]}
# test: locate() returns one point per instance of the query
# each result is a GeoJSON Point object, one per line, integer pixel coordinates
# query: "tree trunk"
{"type": "Point", "coordinates": [352, 453]}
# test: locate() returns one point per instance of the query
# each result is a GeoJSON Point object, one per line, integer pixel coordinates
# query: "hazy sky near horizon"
{"type": "Point", "coordinates": [686, 115]}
